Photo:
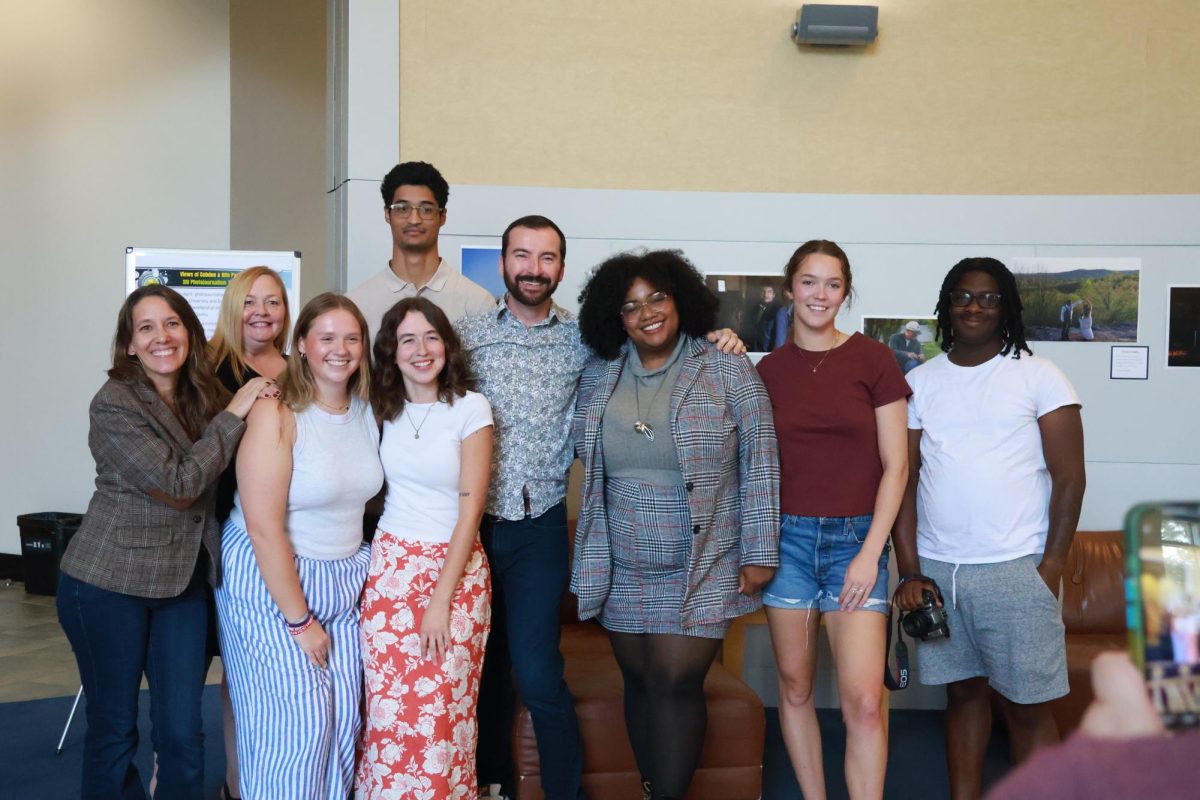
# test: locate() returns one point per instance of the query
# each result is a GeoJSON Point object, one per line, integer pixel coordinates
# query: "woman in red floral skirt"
{"type": "Point", "coordinates": [427, 604]}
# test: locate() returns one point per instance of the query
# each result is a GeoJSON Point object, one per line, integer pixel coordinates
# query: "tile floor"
{"type": "Point", "coordinates": [35, 659]}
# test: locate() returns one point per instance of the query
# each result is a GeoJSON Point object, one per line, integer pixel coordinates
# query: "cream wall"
{"type": "Point", "coordinates": [1001, 97]}
{"type": "Point", "coordinates": [278, 174]}
{"type": "Point", "coordinates": [114, 131]}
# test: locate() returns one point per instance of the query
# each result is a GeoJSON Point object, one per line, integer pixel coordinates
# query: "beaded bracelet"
{"type": "Point", "coordinates": [297, 628]}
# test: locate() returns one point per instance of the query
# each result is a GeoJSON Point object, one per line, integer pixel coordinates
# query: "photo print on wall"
{"type": "Point", "coordinates": [1079, 299]}
{"type": "Point", "coordinates": [1183, 326]}
{"type": "Point", "coordinates": [754, 306]}
{"type": "Point", "coordinates": [909, 338]}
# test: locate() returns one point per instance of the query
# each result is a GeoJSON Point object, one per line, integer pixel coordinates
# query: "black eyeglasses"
{"type": "Point", "coordinates": [404, 210]}
{"type": "Point", "coordinates": [960, 298]}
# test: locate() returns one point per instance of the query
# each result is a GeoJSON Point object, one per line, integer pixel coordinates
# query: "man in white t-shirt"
{"type": "Point", "coordinates": [414, 207]}
{"type": "Point", "coordinates": [996, 481]}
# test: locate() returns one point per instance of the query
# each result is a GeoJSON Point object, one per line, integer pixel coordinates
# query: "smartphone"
{"type": "Point", "coordinates": [1162, 604]}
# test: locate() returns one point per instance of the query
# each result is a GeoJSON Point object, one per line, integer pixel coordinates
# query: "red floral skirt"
{"type": "Point", "coordinates": [419, 725]}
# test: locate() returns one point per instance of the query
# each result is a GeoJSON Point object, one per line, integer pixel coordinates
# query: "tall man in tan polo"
{"type": "Point", "coordinates": [414, 206]}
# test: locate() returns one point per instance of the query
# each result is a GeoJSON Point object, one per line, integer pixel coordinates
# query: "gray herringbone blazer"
{"type": "Point", "coordinates": [153, 504]}
{"type": "Point", "coordinates": [724, 434]}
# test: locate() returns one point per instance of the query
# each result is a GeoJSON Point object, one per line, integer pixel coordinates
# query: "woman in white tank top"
{"type": "Point", "coordinates": [295, 564]}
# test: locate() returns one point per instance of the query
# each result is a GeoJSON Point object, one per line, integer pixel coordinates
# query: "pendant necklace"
{"type": "Point", "coordinates": [836, 335]}
{"type": "Point", "coordinates": [645, 428]}
{"type": "Point", "coordinates": [417, 428]}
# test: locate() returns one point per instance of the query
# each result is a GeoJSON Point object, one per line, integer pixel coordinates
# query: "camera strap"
{"type": "Point", "coordinates": [900, 680]}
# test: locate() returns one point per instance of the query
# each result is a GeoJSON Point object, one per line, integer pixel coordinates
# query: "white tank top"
{"type": "Point", "coordinates": [335, 471]}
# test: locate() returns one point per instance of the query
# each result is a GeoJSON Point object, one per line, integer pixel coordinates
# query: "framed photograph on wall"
{"type": "Point", "coordinates": [1183, 326]}
{"type": "Point", "coordinates": [754, 306]}
{"type": "Point", "coordinates": [1079, 299]}
{"type": "Point", "coordinates": [910, 338]}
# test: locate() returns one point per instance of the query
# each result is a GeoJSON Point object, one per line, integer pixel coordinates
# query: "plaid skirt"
{"type": "Point", "coordinates": [650, 534]}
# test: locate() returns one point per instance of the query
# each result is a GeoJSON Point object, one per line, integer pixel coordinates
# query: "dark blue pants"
{"type": "Point", "coordinates": [116, 637]}
{"type": "Point", "coordinates": [529, 561]}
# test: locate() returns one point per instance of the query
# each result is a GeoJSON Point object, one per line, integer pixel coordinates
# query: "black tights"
{"type": "Point", "coordinates": [664, 704]}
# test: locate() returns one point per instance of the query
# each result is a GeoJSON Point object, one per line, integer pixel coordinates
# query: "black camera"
{"type": "Point", "coordinates": [927, 622]}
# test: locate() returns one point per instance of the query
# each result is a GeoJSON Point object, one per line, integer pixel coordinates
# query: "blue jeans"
{"type": "Point", "coordinates": [116, 637]}
{"type": "Point", "coordinates": [814, 554]}
{"type": "Point", "coordinates": [529, 561]}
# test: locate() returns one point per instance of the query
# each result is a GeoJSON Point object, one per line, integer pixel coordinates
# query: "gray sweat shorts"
{"type": "Point", "coordinates": [1005, 625]}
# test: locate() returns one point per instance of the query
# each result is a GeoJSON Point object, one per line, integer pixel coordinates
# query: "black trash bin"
{"type": "Point", "coordinates": [44, 538]}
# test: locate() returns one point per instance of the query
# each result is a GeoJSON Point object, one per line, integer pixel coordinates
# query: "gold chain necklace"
{"type": "Point", "coordinates": [333, 409]}
{"type": "Point", "coordinates": [836, 336]}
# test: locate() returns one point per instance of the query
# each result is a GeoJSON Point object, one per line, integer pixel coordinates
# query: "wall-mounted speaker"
{"type": "Point", "coordinates": [824, 24]}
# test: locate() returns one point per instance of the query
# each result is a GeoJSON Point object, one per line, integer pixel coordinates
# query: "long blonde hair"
{"type": "Point", "coordinates": [227, 343]}
{"type": "Point", "coordinates": [296, 382]}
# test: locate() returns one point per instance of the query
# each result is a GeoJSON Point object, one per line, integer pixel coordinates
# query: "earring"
{"type": "Point", "coordinates": [304, 356]}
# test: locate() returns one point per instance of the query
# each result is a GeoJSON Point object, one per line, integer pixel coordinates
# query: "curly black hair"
{"type": "Point", "coordinates": [1012, 327]}
{"type": "Point", "coordinates": [387, 383]}
{"type": "Point", "coordinates": [667, 271]}
{"type": "Point", "coordinates": [415, 173]}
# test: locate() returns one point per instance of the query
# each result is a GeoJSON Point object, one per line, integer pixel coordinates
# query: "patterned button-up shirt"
{"type": "Point", "coordinates": [530, 376]}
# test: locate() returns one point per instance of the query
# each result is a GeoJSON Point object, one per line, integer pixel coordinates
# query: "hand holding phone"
{"type": "Point", "coordinates": [1162, 597]}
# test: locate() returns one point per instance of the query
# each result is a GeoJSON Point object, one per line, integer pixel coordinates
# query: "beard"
{"type": "Point", "coordinates": [531, 295]}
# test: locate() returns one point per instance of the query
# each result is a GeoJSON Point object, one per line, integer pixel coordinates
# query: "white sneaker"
{"type": "Point", "coordinates": [491, 791]}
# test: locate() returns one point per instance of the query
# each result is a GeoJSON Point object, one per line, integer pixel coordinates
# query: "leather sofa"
{"type": "Point", "coordinates": [1093, 606]}
{"type": "Point", "coordinates": [731, 761]}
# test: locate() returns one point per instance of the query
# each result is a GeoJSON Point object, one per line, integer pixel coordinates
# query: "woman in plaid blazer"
{"type": "Point", "coordinates": [679, 529]}
{"type": "Point", "coordinates": [131, 596]}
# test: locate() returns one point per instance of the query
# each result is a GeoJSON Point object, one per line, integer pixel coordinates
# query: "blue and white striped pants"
{"type": "Point", "coordinates": [297, 725]}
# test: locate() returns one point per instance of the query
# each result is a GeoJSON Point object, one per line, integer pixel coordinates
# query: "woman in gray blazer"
{"type": "Point", "coordinates": [679, 528]}
{"type": "Point", "coordinates": [131, 597]}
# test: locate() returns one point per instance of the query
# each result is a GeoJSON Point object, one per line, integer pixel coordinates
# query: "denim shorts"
{"type": "Point", "coordinates": [814, 553]}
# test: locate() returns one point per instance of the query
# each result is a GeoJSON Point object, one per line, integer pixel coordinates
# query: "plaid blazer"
{"type": "Point", "coordinates": [724, 435]}
{"type": "Point", "coordinates": [131, 541]}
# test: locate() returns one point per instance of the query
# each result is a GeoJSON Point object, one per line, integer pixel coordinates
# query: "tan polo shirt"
{"type": "Point", "coordinates": [456, 295]}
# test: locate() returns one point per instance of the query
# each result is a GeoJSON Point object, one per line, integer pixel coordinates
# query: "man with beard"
{"type": "Point", "coordinates": [527, 356]}
{"type": "Point", "coordinates": [414, 207]}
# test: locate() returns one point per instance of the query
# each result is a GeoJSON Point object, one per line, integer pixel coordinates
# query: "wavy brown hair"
{"type": "Point", "coordinates": [296, 383]}
{"type": "Point", "coordinates": [388, 395]}
{"type": "Point", "coordinates": [227, 343]}
{"type": "Point", "coordinates": [199, 396]}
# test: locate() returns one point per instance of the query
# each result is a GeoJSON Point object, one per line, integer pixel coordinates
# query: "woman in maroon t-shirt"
{"type": "Point", "coordinates": [840, 413]}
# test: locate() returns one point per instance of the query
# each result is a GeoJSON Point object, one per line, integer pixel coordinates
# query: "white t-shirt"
{"type": "Point", "coordinates": [423, 472]}
{"type": "Point", "coordinates": [984, 490]}
{"type": "Point", "coordinates": [335, 471]}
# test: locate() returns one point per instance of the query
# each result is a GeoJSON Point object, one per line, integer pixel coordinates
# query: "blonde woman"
{"type": "Point", "coordinates": [295, 564]}
{"type": "Point", "coordinates": [251, 335]}
{"type": "Point", "coordinates": [252, 328]}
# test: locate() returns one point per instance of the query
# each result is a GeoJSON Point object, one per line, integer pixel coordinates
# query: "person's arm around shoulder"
{"type": "Point", "coordinates": [891, 433]}
{"type": "Point", "coordinates": [264, 474]}
{"type": "Point", "coordinates": [727, 341]}
{"type": "Point", "coordinates": [474, 472]}
{"type": "Point", "coordinates": [1062, 446]}
{"type": "Point", "coordinates": [758, 459]}
{"type": "Point", "coordinates": [121, 432]}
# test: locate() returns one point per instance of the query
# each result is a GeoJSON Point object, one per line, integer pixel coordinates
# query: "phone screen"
{"type": "Point", "coordinates": [1162, 588]}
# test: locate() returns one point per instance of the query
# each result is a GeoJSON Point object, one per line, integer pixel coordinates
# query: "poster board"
{"type": "Point", "coordinates": [202, 275]}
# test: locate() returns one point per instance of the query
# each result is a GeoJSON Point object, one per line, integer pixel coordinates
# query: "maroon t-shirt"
{"type": "Point", "coordinates": [828, 445]}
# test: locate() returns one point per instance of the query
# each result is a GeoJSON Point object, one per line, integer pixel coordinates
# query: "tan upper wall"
{"type": "Point", "coordinates": [955, 97]}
